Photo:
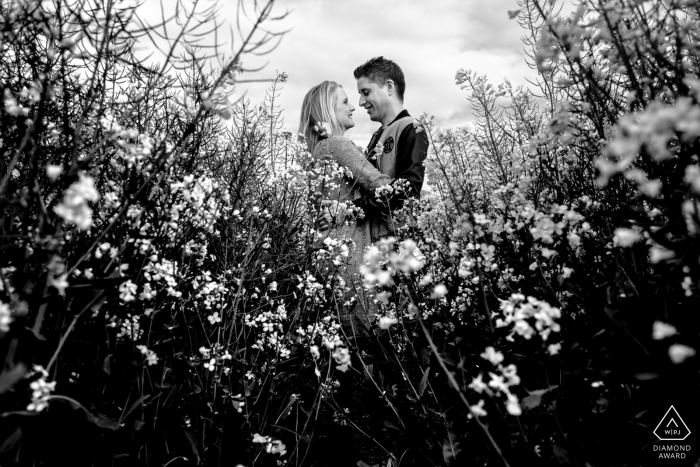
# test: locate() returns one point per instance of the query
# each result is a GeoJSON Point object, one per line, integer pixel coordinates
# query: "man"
{"type": "Point", "coordinates": [397, 149]}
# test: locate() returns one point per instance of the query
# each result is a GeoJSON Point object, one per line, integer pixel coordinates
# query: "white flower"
{"type": "Point", "coordinates": [41, 390]}
{"type": "Point", "coordinates": [53, 171]}
{"type": "Point", "coordinates": [341, 355]}
{"type": "Point", "coordinates": [492, 355]}
{"type": "Point", "coordinates": [662, 330]}
{"type": "Point", "coordinates": [385, 322]}
{"type": "Point", "coordinates": [480, 218]}
{"type": "Point", "coordinates": [60, 283]}
{"type": "Point", "coordinates": [478, 409]}
{"type": "Point", "coordinates": [518, 311]}
{"type": "Point", "coordinates": [127, 291]}
{"type": "Point", "coordinates": [679, 353]}
{"type": "Point", "coordinates": [211, 365]}
{"type": "Point", "coordinates": [151, 356]}
{"type": "Point", "coordinates": [323, 130]}
{"type": "Point", "coordinates": [478, 384]}
{"type": "Point", "coordinates": [626, 237]}
{"type": "Point", "coordinates": [439, 291]}
{"type": "Point", "coordinates": [657, 254]}
{"type": "Point", "coordinates": [513, 406]}
{"type": "Point", "coordinates": [314, 351]}
{"type": "Point", "coordinates": [276, 447]}
{"type": "Point", "coordinates": [214, 318]}
{"type": "Point", "coordinates": [5, 317]}
{"type": "Point", "coordinates": [74, 208]}
{"type": "Point", "coordinates": [148, 293]}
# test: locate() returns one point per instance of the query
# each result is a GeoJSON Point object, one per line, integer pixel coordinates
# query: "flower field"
{"type": "Point", "coordinates": [166, 298]}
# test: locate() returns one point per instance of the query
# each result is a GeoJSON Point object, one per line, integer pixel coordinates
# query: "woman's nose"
{"type": "Point", "coordinates": [352, 108]}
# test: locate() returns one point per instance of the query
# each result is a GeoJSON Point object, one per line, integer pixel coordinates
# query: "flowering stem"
{"type": "Point", "coordinates": [54, 357]}
{"type": "Point", "coordinates": [455, 386]}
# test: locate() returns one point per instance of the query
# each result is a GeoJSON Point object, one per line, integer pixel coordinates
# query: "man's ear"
{"type": "Point", "coordinates": [390, 87]}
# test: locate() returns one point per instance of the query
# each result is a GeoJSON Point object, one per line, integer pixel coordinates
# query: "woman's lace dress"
{"type": "Point", "coordinates": [354, 310]}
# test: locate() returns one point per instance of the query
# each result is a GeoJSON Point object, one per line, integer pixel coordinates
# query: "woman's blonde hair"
{"type": "Point", "coordinates": [318, 107]}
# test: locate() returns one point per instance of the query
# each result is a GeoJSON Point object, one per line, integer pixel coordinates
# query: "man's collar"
{"type": "Point", "coordinates": [402, 114]}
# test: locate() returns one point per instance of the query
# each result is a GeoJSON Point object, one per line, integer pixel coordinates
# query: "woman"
{"type": "Point", "coordinates": [325, 117]}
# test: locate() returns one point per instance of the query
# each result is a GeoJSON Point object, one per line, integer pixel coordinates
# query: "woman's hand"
{"type": "Point", "coordinates": [324, 219]}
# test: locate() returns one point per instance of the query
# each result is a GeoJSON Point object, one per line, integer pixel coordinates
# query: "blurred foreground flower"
{"type": "Point", "coordinates": [74, 208]}
{"type": "Point", "coordinates": [41, 390]}
{"type": "Point", "coordinates": [272, 446]}
{"type": "Point", "coordinates": [680, 353]}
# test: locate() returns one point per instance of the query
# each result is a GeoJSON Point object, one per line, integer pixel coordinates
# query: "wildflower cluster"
{"type": "Point", "coordinates": [499, 383]}
{"type": "Point", "coordinates": [323, 129]}
{"type": "Point", "coordinates": [41, 390]}
{"type": "Point", "coordinates": [518, 312]}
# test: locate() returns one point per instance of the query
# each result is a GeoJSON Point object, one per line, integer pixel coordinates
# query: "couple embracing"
{"type": "Point", "coordinates": [394, 158]}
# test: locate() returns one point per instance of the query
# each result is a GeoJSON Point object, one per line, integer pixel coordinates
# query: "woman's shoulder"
{"type": "Point", "coordinates": [341, 142]}
{"type": "Point", "coordinates": [336, 143]}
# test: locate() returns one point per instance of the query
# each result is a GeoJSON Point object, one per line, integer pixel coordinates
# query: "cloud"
{"type": "Point", "coordinates": [429, 40]}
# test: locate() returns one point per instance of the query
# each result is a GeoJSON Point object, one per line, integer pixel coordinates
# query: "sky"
{"type": "Point", "coordinates": [429, 40]}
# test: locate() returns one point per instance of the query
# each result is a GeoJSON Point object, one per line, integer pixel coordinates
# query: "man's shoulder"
{"type": "Point", "coordinates": [412, 130]}
{"type": "Point", "coordinates": [403, 120]}
{"type": "Point", "coordinates": [401, 124]}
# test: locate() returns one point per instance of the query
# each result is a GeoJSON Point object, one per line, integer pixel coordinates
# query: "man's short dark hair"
{"type": "Point", "coordinates": [379, 70]}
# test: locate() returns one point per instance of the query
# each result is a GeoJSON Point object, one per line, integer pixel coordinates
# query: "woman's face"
{"type": "Point", "coordinates": [343, 110]}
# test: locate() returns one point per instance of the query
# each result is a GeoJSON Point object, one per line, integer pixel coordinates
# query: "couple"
{"type": "Point", "coordinates": [394, 157]}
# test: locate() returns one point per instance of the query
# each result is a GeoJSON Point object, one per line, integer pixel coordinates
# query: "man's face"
{"type": "Point", "coordinates": [374, 98]}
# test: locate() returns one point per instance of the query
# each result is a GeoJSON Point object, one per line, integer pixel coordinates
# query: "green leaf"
{"type": "Point", "coordinates": [11, 440]}
{"type": "Point", "coordinates": [106, 365]}
{"type": "Point", "coordinates": [562, 455]}
{"type": "Point", "coordinates": [139, 401]}
{"type": "Point", "coordinates": [535, 397]}
{"type": "Point", "coordinates": [533, 400]}
{"type": "Point", "coordinates": [390, 425]}
{"type": "Point", "coordinates": [288, 408]}
{"type": "Point", "coordinates": [193, 444]}
{"type": "Point", "coordinates": [423, 382]}
{"type": "Point", "coordinates": [451, 448]}
{"type": "Point", "coordinates": [96, 419]}
{"type": "Point", "coordinates": [10, 377]}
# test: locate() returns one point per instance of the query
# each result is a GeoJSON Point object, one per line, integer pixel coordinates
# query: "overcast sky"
{"type": "Point", "coordinates": [430, 40]}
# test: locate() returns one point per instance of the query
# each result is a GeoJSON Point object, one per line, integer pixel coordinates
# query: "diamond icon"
{"type": "Point", "coordinates": [672, 427]}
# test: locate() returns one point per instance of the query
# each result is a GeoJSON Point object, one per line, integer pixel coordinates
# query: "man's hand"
{"type": "Point", "coordinates": [324, 219]}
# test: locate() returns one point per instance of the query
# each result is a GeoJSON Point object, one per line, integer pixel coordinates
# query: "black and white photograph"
{"type": "Point", "coordinates": [349, 233]}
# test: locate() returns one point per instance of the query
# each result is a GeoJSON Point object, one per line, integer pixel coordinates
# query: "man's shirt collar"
{"type": "Point", "coordinates": [402, 114]}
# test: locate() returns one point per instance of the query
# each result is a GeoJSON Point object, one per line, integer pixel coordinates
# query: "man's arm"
{"type": "Point", "coordinates": [413, 149]}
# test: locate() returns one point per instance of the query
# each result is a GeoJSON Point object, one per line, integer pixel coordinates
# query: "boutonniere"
{"type": "Point", "coordinates": [323, 130]}
{"type": "Point", "coordinates": [378, 150]}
